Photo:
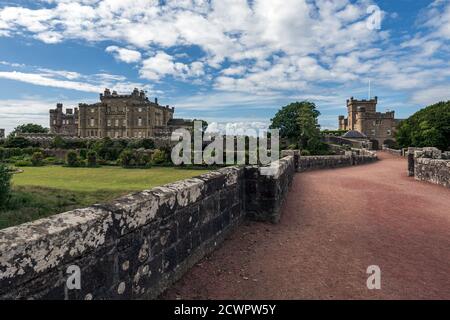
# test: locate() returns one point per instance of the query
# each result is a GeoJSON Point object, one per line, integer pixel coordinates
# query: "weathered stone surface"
{"type": "Point", "coordinates": [137, 245]}
{"type": "Point", "coordinates": [266, 187]}
{"type": "Point", "coordinates": [436, 171]}
{"type": "Point", "coordinates": [307, 163]}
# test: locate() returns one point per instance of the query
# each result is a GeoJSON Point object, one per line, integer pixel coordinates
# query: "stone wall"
{"type": "Point", "coordinates": [136, 246]}
{"type": "Point", "coordinates": [329, 162]}
{"type": "Point", "coordinates": [395, 152]}
{"type": "Point", "coordinates": [432, 165]}
{"type": "Point", "coordinates": [266, 188]}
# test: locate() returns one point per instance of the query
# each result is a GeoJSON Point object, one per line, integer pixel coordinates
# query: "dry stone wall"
{"type": "Point", "coordinates": [432, 165]}
{"type": "Point", "coordinates": [136, 246]}
{"type": "Point", "coordinates": [307, 163]}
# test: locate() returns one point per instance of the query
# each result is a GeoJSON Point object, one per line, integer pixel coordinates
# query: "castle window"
{"type": "Point", "coordinates": [389, 132]}
{"type": "Point", "coordinates": [109, 122]}
{"type": "Point", "coordinates": [117, 122]}
{"type": "Point", "coordinates": [140, 121]}
{"type": "Point", "coordinates": [92, 110]}
{"type": "Point", "coordinates": [92, 122]}
{"type": "Point", "coordinates": [140, 110]}
{"type": "Point", "coordinates": [54, 121]}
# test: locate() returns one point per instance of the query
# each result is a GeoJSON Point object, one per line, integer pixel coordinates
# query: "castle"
{"type": "Point", "coordinates": [363, 117]}
{"type": "Point", "coordinates": [2, 133]}
{"type": "Point", "coordinates": [116, 116]}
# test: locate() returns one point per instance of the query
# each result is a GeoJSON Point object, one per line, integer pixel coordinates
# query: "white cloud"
{"type": "Point", "coordinates": [41, 80]}
{"type": "Point", "coordinates": [124, 54]}
{"type": "Point", "coordinates": [431, 95]}
{"type": "Point", "coordinates": [70, 80]}
{"type": "Point", "coordinates": [264, 49]}
{"type": "Point", "coordinates": [162, 64]}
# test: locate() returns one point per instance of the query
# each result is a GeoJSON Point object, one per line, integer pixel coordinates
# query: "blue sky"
{"type": "Point", "coordinates": [224, 61]}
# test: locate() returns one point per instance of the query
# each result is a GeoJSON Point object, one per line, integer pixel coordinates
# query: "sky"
{"type": "Point", "coordinates": [229, 62]}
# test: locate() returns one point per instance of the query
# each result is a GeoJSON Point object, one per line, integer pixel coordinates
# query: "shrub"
{"type": "Point", "coordinates": [72, 159]}
{"type": "Point", "coordinates": [5, 184]}
{"type": "Point", "coordinates": [91, 159]}
{"type": "Point", "coordinates": [134, 158]}
{"type": "Point", "coordinates": [18, 142]}
{"type": "Point", "coordinates": [37, 159]}
{"type": "Point", "coordinates": [159, 157]}
{"type": "Point", "coordinates": [126, 158]}
{"type": "Point", "coordinates": [305, 152]}
{"type": "Point", "coordinates": [141, 143]}
{"type": "Point", "coordinates": [53, 161]}
{"type": "Point", "coordinates": [23, 163]}
{"type": "Point", "coordinates": [58, 143]}
{"type": "Point", "coordinates": [84, 153]}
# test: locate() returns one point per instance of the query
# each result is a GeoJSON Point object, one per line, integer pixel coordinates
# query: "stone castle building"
{"type": "Point", "coordinates": [2, 133]}
{"type": "Point", "coordinates": [116, 116]}
{"type": "Point", "coordinates": [363, 117]}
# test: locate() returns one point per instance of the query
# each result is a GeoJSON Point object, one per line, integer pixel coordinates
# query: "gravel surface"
{"type": "Point", "coordinates": [336, 223]}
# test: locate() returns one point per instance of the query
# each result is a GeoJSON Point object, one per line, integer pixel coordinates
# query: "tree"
{"type": "Point", "coordinates": [298, 123]}
{"type": "Point", "coordinates": [159, 157]}
{"type": "Point", "coordinates": [429, 127]}
{"type": "Point", "coordinates": [5, 184]}
{"type": "Point", "coordinates": [37, 159]}
{"type": "Point", "coordinates": [17, 142]}
{"type": "Point", "coordinates": [58, 142]}
{"type": "Point", "coordinates": [28, 128]}
{"type": "Point", "coordinates": [126, 158]}
{"type": "Point", "coordinates": [72, 159]}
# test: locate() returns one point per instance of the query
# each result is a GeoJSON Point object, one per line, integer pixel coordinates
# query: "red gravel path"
{"type": "Point", "coordinates": [335, 223]}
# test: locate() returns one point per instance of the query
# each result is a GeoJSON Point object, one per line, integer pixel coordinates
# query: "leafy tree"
{"type": "Point", "coordinates": [126, 158]}
{"type": "Point", "coordinates": [37, 159]}
{"type": "Point", "coordinates": [159, 157]}
{"type": "Point", "coordinates": [72, 159]}
{"type": "Point", "coordinates": [17, 142]}
{"type": "Point", "coordinates": [5, 184]}
{"type": "Point", "coordinates": [58, 143]}
{"type": "Point", "coordinates": [298, 123]}
{"type": "Point", "coordinates": [141, 143]}
{"type": "Point", "coordinates": [28, 128]}
{"type": "Point", "coordinates": [429, 127]}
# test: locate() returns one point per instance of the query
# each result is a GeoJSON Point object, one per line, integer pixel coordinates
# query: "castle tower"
{"type": "Point", "coordinates": [369, 106]}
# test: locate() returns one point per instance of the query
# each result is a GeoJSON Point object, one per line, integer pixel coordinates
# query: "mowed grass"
{"type": "Point", "coordinates": [104, 178]}
{"type": "Point", "coordinates": [40, 192]}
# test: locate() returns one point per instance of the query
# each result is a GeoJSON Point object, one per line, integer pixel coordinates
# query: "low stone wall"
{"type": "Point", "coordinates": [330, 162]}
{"type": "Point", "coordinates": [430, 164]}
{"type": "Point", "coordinates": [394, 152]}
{"type": "Point", "coordinates": [436, 171]}
{"type": "Point", "coordinates": [136, 246]}
{"type": "Point", "coordinates": [266, 188]}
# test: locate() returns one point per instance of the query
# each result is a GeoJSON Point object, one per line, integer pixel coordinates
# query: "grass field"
{"type": "Point", "coordinates": [104, 178]}
{"type": "Point", "coordinates": [43, 191]}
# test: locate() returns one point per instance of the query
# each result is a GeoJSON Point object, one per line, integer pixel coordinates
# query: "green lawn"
{"type": "Point", "coordinates": [43, 191]}
{"type": "Point", "coordinates": [104, 178]}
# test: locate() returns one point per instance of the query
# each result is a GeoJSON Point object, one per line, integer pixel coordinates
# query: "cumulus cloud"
{"type": "Point", "coordinates": [268, 48]}
{"type": "Point", "coordinates": [162, 64]}
{"type": "Point", "coordinates": [124, 54]}
{"type": "Point", "coordinates": [241, 31]}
